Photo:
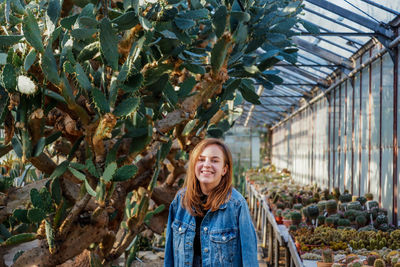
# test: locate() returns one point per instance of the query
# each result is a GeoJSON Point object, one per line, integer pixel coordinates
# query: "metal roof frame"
{"type": "Point", "coordinates": [316, 61]}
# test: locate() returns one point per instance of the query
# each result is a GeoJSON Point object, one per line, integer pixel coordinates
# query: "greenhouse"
{"type": "Point", "coordinates": [200, 133]}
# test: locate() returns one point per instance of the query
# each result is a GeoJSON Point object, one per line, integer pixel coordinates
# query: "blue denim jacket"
{"type": "Point", "coordinates": [227, 235]}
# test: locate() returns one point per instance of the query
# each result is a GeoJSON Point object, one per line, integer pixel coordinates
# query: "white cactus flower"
{"type": "Point", "coordinates": [26, 85]}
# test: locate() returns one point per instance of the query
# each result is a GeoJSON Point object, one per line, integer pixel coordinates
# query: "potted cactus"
{"type": "Point", "coordinates": [327, 258]}
{"type": "Point", "coordinates": [331, 206]}
{"type": "Point", "coordinates": [296, 217]}
{"type": "Point", "coordinates": [379, 263]}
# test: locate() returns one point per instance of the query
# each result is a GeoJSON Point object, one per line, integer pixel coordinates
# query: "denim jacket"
{"type": "Point", "coordinates": [227, 235]}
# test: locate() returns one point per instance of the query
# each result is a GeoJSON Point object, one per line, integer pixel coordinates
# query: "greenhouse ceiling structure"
{"type": "Point", "coordinates": [347, 28]}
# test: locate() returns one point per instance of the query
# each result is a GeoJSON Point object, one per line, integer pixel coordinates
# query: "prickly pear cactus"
{"type": "Point", "coordinates": [99, 96]}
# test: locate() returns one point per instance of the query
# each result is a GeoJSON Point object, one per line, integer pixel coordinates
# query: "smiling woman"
{"type": "Point", "coordinates": [209, 222]}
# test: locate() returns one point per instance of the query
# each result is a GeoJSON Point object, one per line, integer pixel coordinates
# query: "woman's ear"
{"type": "Point", "coordinates": [225, 169]}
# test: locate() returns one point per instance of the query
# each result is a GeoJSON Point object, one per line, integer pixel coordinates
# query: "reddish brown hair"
{"type": "Point", "coordinates": [221, 193]}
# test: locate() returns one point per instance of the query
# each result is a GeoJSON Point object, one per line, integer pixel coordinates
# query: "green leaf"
{"type": "Point", "coordinates": [241, 33]}
{"type": "Point", "coordinates": [36, 215]}
{"type": "Point", "coordinates": [49, 66]}
{"type": "Point", "coordinates": [215, 132]}
{"type": "Point", "coordinates": [219, 20]}
{"type": "Point", "coordinates": [267, 63]}
{"type": "Point", "coordinates": [46, 199]}
{"type": "Point", "coordinates": [89, 51]}
{"type": "Point", "coordinates": [249, 95]}
{"type": "Point", "coordinates": [30, 59]}
{"type": "Point", "coordinates": [92, 168]}
{"type": "Point", "coordinates": [100, 191]}
{"type": "Point", "coordinates": [69, 21]}
{"type": "Point", "coordinates": [241, 16]}
{"type": "Point", "coordinates": [100, 100]}
{"type": "Point", "coordinates": [20, 238]}
{"type": "Point", "coordinates": [170, 94]}
{"type": "Point", "coordinates": [274, 78]}
{"type": "Point", "coordinates": [125, 173]}
{"type": "Point", "coordinates": [17, 146]}
{"type": "Point", "coordinates": [218, 54]}
{"type": "Point", "coordinates": [77, 166]}
{"type": "Point", "coordinates": [9, 40]}
{"type": "Point", "coordinates": [17, 7]}
{"type": "Point", "coordinates": [36, 199]}
{"type": "Point", "coordinates": [284, 26]}
{"type": "Point", "coordinates": [4, 231]}
{"type": "Point", "coordinates": [165, 148]}
{"type": "Point", "coordinates": [39, 146]}
{"type": "Point", "coordinates": [83, 33]}
{"type": "Point", "coordinates": [9, 77]}
{"type": "Point", "coordinates": [82, 78]}
{"type": "Point", "coordinates": [109, 171]}
{"type": "Point", "coordinates": [32, 32]}
{"type": "Point", "coordinates": [53, 137]}
{"type": "Point", "coordinates": [194, 14]}
{"type": "Point", "coordinates": [146, 24]}
{"type": "Point", "coordinates": [109, 43]}
{"type": "Point", "coordinates": [311, 27]}
{"type": "Point", "coordinates": [75, 147]}
{"type": "Point", "coordinates": [53, 13]}
{"type": "Point", "coordinates": [89, 189]}
{"type": "Point", "coordinates": [133, 83]}
{"type": "Point", "coordinates": [50, 236]}
{"type": "Point", "coordinates": [189, 127]}
{"type": "Point", "coordinates": [127, 107]}
{"type": "Point", "coordinates": [60, 169]}
{"type": "Point", "coordinates": [77, 174]}
{"type": "Point", "coordinates": [21, 215]}
{"type": "Point", "coordinates": [55, 189]}
{"type": "Point", "coordinates": [194, 68]}
{"type": "Point", "coordinates": [184, 24]}
{"type": "Point", "coordinates": [88, 21]}
{"type": "Point", "coordinates": [186, 87]}
{"type": "Point", "coordinates": [126, 21]}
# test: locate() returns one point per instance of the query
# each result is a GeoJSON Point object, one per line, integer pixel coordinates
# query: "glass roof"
{"type": "Point", "coordinates": [345, 26]}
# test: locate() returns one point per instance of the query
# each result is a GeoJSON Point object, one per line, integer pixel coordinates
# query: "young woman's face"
{"type": "Point", "coordinates": [210, 167]}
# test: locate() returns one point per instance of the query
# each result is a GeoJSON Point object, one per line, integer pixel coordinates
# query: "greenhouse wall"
{"type": "Point", "coordinates": [348, 138]}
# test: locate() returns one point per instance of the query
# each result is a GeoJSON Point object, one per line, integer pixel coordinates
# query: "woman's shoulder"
{"type": "Point", "coordinates": [236, 197]}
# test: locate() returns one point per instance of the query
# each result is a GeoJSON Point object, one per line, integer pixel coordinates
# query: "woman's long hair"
{"type": "Point", "coordinates": [221, 193]}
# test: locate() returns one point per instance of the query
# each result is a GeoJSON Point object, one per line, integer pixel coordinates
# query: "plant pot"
{"type": "Point", "coordinates": [324, 264]}
{"type": "Point", "coordinates": [278, 220]}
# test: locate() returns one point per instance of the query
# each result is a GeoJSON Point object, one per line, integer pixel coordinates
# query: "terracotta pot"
{"type": "Point", "coordinates": [324, 264]}
{"type": "Point", "coordinates": [278, 220]}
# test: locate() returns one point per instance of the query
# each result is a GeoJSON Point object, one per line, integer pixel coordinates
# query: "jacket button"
{"type": "Point", "coordinates": [205, 229]}
{"type": "Point", "coordinates": [206, 250]}
{"type": "Point", "coordinates": [180, 229]}
{"type": "Point", "coordinates": [224, 238]}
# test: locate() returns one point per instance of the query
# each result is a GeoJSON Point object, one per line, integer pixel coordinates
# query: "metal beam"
{"type": "Point", "coordinates": [323, 53]}
{"type": "Point", "coordinates": [370, 24]}
{"type": "Point", "coordinates": [382, 7]}
{"type": "Point", "coordinates": [336, 34]}
{"type": "Point", "coordinates": [283, 96]}
{"type": "Point", "coordinates": [307, 74]}
{"type": "Point", "coordinates": [343, 37]}
{"type": "Point", "coordinates": [332, 43]}
{"type": "Point", "coordinates": [308, 65]}
{"type": "Point", "coordinates": [331, 19]}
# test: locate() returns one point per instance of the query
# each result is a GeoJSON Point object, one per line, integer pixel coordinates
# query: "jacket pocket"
{"type": "Point", "coordinates": [179, 233]}
{"type": "Point", "coordinates": [223, 244]}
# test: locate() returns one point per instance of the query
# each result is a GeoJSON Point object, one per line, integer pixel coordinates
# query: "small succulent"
{"type": "Point", "coordinates": [327, 255]}
{"type": "Point", "coordinates": [379, 263]}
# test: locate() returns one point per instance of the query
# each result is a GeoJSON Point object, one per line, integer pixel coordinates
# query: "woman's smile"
{"type": "Point", "coordinates": [210, 167]}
